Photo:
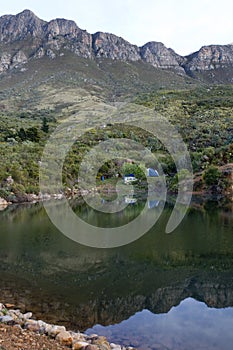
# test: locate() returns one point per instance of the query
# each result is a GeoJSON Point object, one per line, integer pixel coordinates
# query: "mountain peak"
{"type": "Point", "coordinates": [26, 13]}
{"type": "Point", "coordinates": [27, 37]}
{"type": "Point", "coordinates": [18, 27]}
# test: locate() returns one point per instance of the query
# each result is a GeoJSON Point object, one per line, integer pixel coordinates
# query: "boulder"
{"type": "Point", "coordinates": [102, 343]}
{"type": "Point", "coordinates": [7, 319]}
{"type": "Point", "coordinates": [3, 202]}
{"type": "Point", "coordinates": [92, 347]}
{"type": "Point", "coordinates": [64, 338]}
{"type": "Point", "coordinates": [54, 330]}
{"type": "Point", "coordinates": [80, 345]}
{"type": "Point", "coordinates": [32, 326]}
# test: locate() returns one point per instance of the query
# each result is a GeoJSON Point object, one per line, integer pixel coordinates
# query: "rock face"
{"type": "Point", "coordinates": [210, 57]}
{"type": "Point", "coordinates": [111, 46]}
{"type": "Point", "coordinates": [20, 27]}
{"type": "Point", "coordinates": [19, 58]}
{"type": "Point", "coordinates": [55, 38]}
{"type": "Point", "coordinates": [62, 27]}
{"type": "Point", "coordinates": [5, 61]}
{"type": "Point", "coordinates": [160, 56]}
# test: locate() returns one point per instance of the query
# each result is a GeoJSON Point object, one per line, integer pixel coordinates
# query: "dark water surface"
{"type": "Point", "coordinates": [160, 292]}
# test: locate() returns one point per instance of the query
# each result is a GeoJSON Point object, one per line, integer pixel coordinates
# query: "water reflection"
{"type": "Point", "coordinates": [64, 282]}
{"type": "Point", "coordinates": [153, 203]}
{"type": "Point", "coordinates": [191, 325]}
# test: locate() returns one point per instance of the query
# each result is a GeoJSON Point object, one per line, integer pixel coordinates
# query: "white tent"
{"type": "Point", "coordinates": [152, 172]}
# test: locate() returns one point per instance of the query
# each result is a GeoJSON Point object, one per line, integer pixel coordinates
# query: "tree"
{"type": "Point", "coordinates": [22, 134]}
{"type": "Point", "coordinates": [45, 125]}
{"type": "Point", "coordinates": [33, 134]}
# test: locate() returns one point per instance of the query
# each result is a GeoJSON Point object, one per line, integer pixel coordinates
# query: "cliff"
{"type": "Point", "coordinates": [25, 37]}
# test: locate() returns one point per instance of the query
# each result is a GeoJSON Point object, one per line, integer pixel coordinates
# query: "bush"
{"type": "Point", "coordinates": [31, 188]}
{"type": "Point", "coordinates": [129, 168]}
{"type": "Point", "coordinates": [4, 193]}
{"type": "Point", "coordinates": [212, 176]}
{"type": "Point", "coordinates": [19, 192]}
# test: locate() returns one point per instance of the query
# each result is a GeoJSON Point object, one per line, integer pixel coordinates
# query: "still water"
{"type": "Point", "coordinates": [163, 291]}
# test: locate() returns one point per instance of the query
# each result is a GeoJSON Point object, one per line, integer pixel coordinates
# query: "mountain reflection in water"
{"type": "Point", "coordinates": [191, 325]}
{"type": "Point", "coordinates": [63, 282]}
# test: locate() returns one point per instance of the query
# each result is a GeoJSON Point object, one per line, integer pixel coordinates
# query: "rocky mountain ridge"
{"type": "Point", "coordinates": [24, 37]}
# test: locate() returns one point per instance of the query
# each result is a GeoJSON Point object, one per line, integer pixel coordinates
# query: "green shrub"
{"type": "Point", "coordinates": [129, 168]}
{"type": "Point", "coordinates": [212, 176]}
{"type": "Point", "coordinates": [4, 193]}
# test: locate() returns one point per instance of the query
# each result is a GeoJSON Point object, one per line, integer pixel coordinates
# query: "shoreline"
{"type": "Point", "coordinates": [200, 190]}
{"type": "Point", "coordinates": [197, 197]}
{"type": "Point", "coordinates": [23, 322]}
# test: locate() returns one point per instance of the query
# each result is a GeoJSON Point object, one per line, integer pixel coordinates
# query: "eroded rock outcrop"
{"type": "Point", "coordinates": [210, 57]}
{"type": "Point", "coordinates": [5, 61]}
{"type": "Point", "coordinates": [160, 56]}
{"type": "Point", "coordinates": [19, 58]}
{"type": "Point", "coordinates": [23, 25]}
{"type": "Point", "coordinates": [111, 46]}
{"type": "Point", "coordinates": [59, 36]}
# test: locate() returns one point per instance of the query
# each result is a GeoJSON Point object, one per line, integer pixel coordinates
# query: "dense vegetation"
{"type": "Point", "coordinates": [22, 137]}
{"type": "Point", "coordinates": [203, 116]}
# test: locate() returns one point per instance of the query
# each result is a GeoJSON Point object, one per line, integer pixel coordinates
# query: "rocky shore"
{"type": "Point", "coordinates": [20, 331]}
{"type": "Point", "coordinates": [3, 203]}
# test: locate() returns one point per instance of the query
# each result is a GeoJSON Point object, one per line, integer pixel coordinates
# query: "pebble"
{"type": "Point", "coordinates": [78, 341]}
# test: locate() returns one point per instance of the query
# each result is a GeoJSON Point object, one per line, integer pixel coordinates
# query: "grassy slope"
{"type": "Point", "coordinates": [57, 89]}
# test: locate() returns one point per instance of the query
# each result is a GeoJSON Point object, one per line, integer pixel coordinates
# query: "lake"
{"type": "Point", "coordinates": [163, 291]}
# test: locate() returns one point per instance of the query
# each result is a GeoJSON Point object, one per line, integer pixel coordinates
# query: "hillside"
{"type": "Point", "coordinates": [53, 70]}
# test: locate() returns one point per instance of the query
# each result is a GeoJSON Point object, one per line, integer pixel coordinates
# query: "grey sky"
{"type": "Point", "coordinates": [183, 25]}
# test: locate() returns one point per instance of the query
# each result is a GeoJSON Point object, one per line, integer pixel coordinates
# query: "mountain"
{"type": "Point", "coordinates": [49, 38]}
{"type": "Point", "coordinates": [24, 38]}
